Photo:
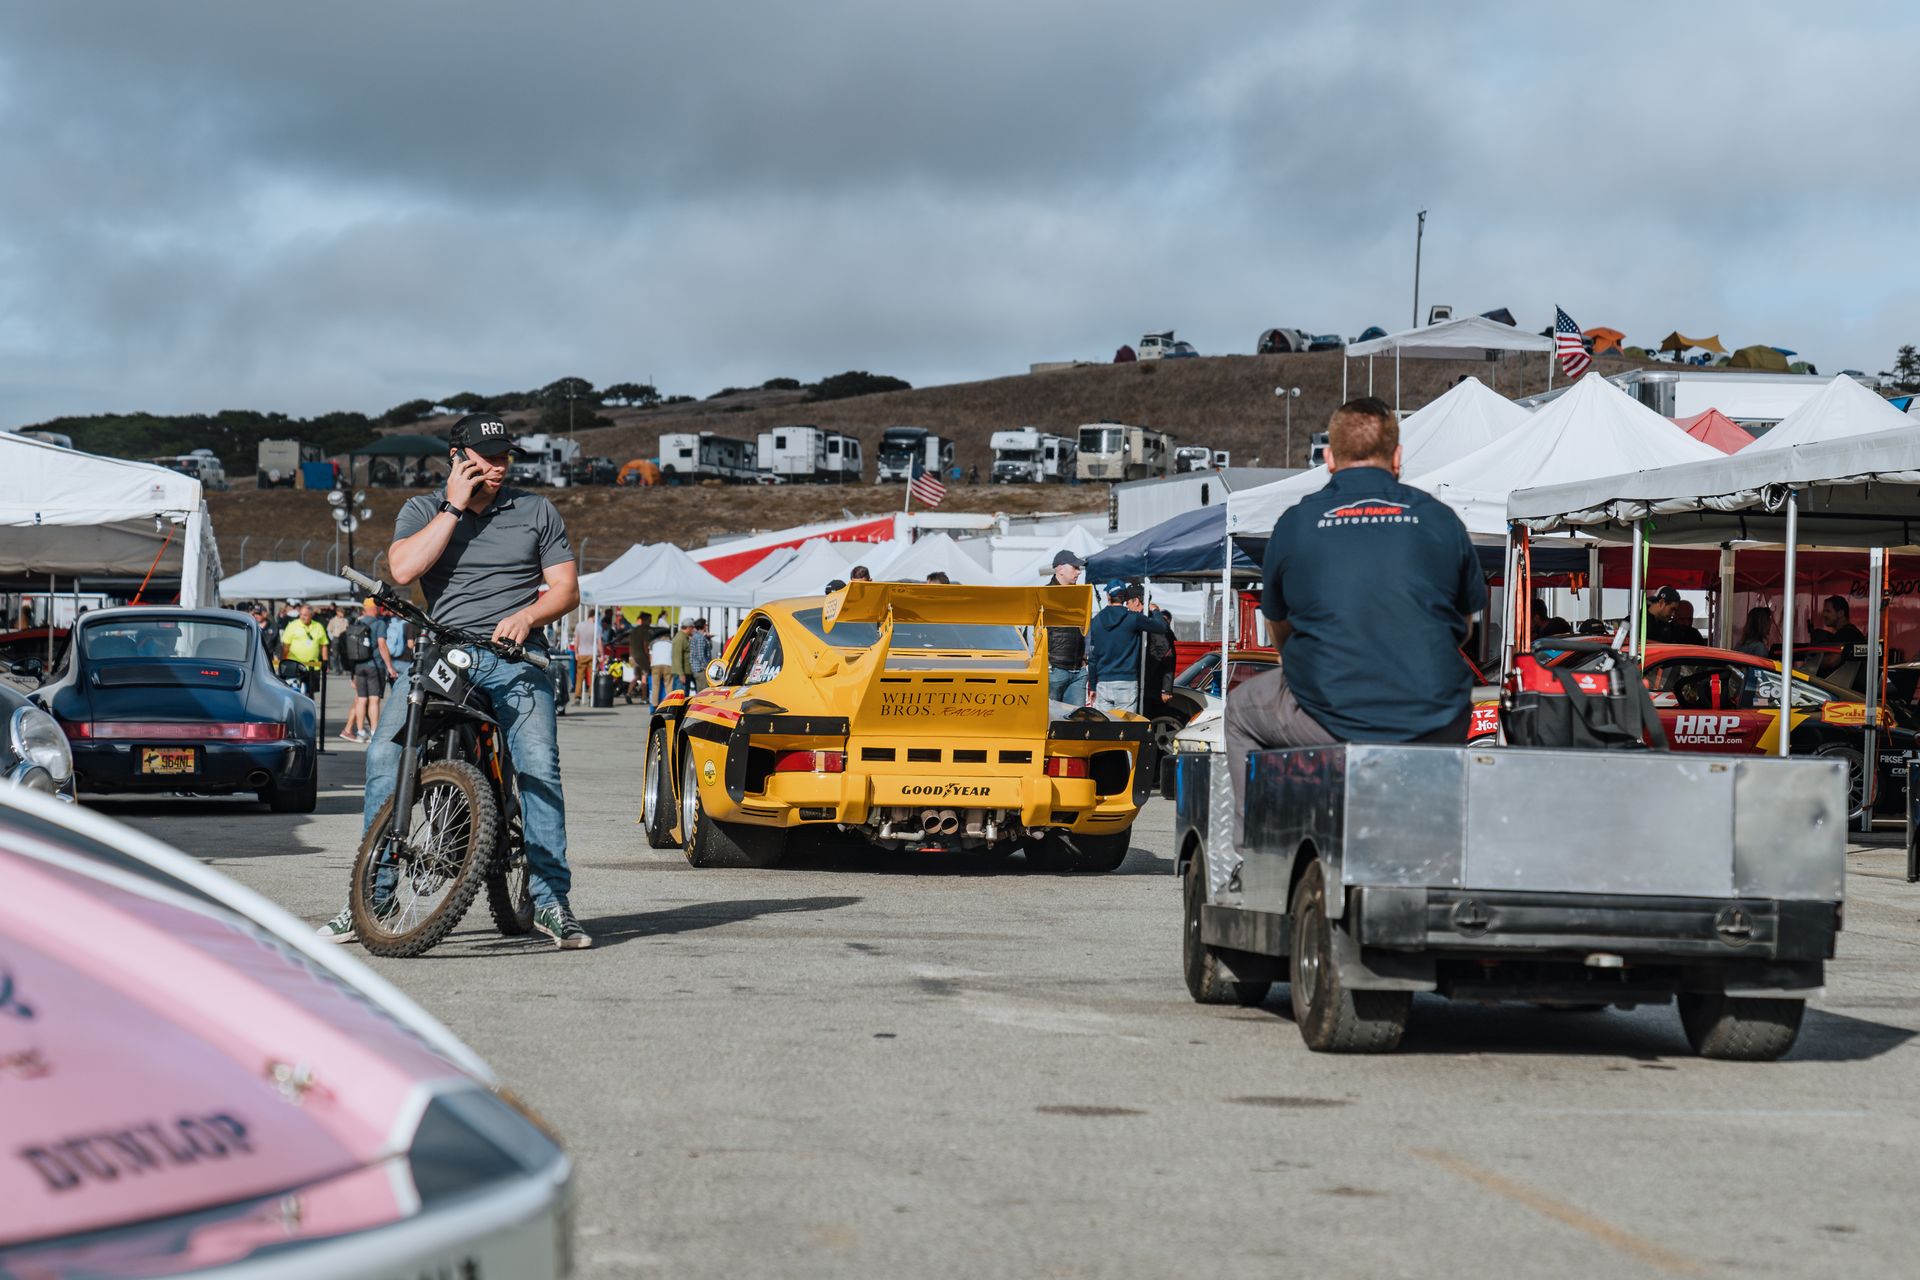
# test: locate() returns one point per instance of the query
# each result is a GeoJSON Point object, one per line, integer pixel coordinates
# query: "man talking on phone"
{"type": "Point", "coordinates": [481, 552]}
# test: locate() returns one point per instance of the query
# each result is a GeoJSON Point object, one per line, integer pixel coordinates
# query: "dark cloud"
{"type": "Point", "coordinates": [346, 206]}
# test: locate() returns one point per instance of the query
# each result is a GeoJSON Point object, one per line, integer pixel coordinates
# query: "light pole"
{"type": "Point", "coordinates": [1288, 394]}
{"type": "Point", "coordinates": [346, 519]}
{"type": "Point", "coordinates": [1419, 234]}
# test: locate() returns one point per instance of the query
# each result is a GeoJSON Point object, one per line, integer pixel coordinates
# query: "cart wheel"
{"type": "Point", "coordinates": [1740, 1029]}
{"type": "Point", "coordinates": [656, 796]}
{"type": "Point", "coordinates": [1331, 1018]}
{"type": "Point", "coordinates": [1210, 979]}
{"type": "Point", "coordinates": [722, 844]}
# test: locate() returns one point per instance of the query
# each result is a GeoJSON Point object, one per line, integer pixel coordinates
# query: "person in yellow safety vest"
{"type": "Point", "coordinates": [303, 643]}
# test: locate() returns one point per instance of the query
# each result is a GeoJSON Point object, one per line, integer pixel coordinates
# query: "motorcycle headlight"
{"type": "Point", "coordinates": [37, 740]}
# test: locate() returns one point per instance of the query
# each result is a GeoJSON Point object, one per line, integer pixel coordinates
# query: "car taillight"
{"type": "Point", "coordinates": [810, 762]}
{"type": "Point", "coordinates": [1066, 766]}
{"type": "Point", "coordinates": [252, 732]}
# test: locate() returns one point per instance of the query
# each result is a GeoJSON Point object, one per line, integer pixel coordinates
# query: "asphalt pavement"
{"type": "Point", "coordinates": [881, 1066]}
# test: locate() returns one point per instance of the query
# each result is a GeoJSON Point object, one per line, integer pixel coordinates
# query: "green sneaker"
{"type": "Point", "coordinates": [340, 928]}
{"type": "Point", "coordinates": [557, 922]}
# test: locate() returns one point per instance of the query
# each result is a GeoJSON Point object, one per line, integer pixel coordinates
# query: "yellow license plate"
{"type": "Point", "coordinates": [166, 760]}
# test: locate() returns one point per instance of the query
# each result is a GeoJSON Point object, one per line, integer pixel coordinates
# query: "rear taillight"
{"type": "Point", "coordinates": [253, 732]}
{"type": "Point", "coordinates": [810, 762]}
{"type": "Point", "coordinates": [1066, 766]}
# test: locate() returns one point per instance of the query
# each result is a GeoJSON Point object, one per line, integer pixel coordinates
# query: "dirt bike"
{"type": "Point", "coordinates": [453, 822]}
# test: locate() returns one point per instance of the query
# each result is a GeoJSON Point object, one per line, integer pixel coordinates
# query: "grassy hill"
{"type": "Point", "coordinates": [1225, 402]}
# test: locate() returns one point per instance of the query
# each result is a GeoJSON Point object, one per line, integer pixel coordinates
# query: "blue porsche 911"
{"type": "Point", "coordinates": [182, 700]}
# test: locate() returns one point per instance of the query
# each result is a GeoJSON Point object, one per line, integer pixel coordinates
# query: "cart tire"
{"type": "Point", "coordinates": [1063, 851]}
{"type": "Point", "coordinates": [1331, 1018]}
{"type": "Point", "coordinates": [722, 844]}
{"type": "Point", "coordinates": [1210, 978]}
{"type": "Point", "coordinates": [656, 796]}
{"type": "Point", "coordinates": [1740, 1028]}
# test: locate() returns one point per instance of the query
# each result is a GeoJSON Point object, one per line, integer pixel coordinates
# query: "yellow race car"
{"type": "Point", "coordinates": [913, 716]}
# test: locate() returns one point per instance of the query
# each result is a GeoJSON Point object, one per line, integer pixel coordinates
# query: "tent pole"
{"type": "Point", "coordinates": [1343, 377]}
{"type": "Point", "coordinates": [1396, 384]}
{"type": "Point", "coordinates": [1595, 573]}
{"type": "Point", "coordinates": [1549, 370]}
{"type": "Point", "coordinates": [1783, 723]}
{"type": "Point", "coordinates": [1877, 576]}
{"type": "Point", "coordinates": [1369, 373]}
{"type": "Point", "coordinates": [1227, 612]}
{"type": "Point", "coordinates": [1723, 625]}
{"type": "Point", "coordinates": [1638, 589]}
{"type": "Point", "coordinates": [52, 587]}
{"type": "Point", "coordinates": [1508, 560]}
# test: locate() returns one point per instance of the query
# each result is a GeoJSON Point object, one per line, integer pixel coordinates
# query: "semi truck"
{"type": "Point", "coordinates": [903, 448]}
{"type": "Point", "coordinates": [1114, 451]}
{"type": "Point", "coordinates": [688, 457]}
{"type": "Point", "coordinates": [807, 454]}
{"type": "Point", "coordinates": [1031, 456]}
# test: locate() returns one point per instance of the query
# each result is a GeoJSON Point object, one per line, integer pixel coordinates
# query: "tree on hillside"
{"type": "Point", "coordinates": [554, 419]}
{"type": "Point", "coordinates": [855, 382]}
{"type": "Point", "coordinates": [404, 414]}
{"type": "Point", "coordinates": [466, 402]}
{"type": "Point", "coordinates": [561, 390]}
{"type": "Point", "coordinates": [1906, 368]}
{"type": "Point", "coordinates": [780, 384]}
{"type": "Point", "coordinates": [633, 393]}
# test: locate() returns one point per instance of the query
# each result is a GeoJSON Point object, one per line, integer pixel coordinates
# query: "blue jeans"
{"type": "Point", "coordinates": [1067, 685]}
{"type": "Point", "coordinates": [522, 697]}
{"type": "Point", "coordinates": [1117, 695]}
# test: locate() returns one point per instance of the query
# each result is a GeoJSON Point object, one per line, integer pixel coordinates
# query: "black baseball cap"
{"type": "Point", "coordinates": [483, 433]}
{"type": "Point", "coordinates": [1067, 557]}
{"type": "Point", "coordinates": [1667, 594]}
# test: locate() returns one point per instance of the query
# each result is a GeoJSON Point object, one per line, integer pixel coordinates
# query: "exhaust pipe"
{"type": "Point", "coordinates": [259, 778]}
{"type": "Point", "coordinates": [949, 822]}
{"type": "Point", "coordinates": [930, 822]}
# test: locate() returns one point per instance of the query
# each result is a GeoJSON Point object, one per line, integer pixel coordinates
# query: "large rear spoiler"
{"type": "Point", "coordinates": [1053, 606]}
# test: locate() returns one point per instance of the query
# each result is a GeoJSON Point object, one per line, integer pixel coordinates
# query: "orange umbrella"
{"type": "Point", "coordinates": [1605, 339]}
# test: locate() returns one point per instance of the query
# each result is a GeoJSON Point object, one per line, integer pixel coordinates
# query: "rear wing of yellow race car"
{"type": "Point", "coordinates": [1050, 606]}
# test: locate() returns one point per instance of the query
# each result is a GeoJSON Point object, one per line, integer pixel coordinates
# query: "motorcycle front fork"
{"type": "Point", "coordinates": [407, 788]}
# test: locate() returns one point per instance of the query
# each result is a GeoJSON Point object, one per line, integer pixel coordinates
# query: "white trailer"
{"type": "Point", "coordinates": [807, 454]}
{"type": "Point", "coordinates": [1031, 456]}
{"type": "Point", "coordinates": [1192, 457]}
{"type": "Point", "coordinates": [1115, 451]}
{"type": "Point", "coordinates": [901, 448]}
{"type": "Point", "coordinates": [1752, 399]}
{"type": "Point", "coordinates": [688, 457]}
{"type": "Point", "coordinates": [545, 460]}
{"type": "Point", "coordinates": [278, 462]}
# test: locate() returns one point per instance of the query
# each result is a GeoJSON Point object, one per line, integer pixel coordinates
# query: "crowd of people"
{"type": "Point", "coordinates": [645, 660]}
{"type": "Point", "coordinates": [372, 646]}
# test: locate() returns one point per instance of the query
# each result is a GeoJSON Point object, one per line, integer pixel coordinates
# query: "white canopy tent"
{"type": "Point", "coordinates": [1468, 338]}
{"type": "Point", "coordinates": [1855, 491]}
{"type": "Point", "coordinates": [66, 514]}
{"type": "Point", "coordinates": [817, 563]}
{"type": "Point", "coordinates": [1467, 418]}
{"type": "Point", "coordinates": [1842, 408]}
{"type": "Point", "coordinates": [1023, 560]}
{"type": "Point", "coordinates": [1595, 429]}
{"type": "Point", "coordinates": [284, 580]}
{"type": "Point", "coordinates": [935, 553]}
{"type": "Point", "coordinates": [659, 574]}
{"type": "Point", "coordinates": [766, 567]}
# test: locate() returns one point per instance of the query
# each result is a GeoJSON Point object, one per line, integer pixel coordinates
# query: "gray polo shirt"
{"type": "Point", "coordinates": [495, 561]}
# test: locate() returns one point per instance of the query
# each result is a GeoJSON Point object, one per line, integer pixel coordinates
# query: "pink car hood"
{"type": "Point", "coordinates": [159, 1055]}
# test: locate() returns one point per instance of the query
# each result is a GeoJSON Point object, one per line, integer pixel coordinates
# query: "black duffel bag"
{"type": "Point", "coordinates": [1602, 706]}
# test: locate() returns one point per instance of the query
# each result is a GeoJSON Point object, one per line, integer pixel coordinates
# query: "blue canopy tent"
{"type": "Point", "coordinates": [1189, 545]}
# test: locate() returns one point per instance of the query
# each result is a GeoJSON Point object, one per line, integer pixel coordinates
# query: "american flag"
{"type": "Point", "coordinates": [1571, 345]}
{"type": "Point", "coordinates": [926, 486]}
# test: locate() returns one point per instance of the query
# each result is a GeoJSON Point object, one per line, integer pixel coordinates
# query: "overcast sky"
{"type": "Point", "coordinates": [342, 206]}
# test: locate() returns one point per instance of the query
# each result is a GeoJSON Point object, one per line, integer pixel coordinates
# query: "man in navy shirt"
{"type": "Point", "coordinates": [1370, 585]}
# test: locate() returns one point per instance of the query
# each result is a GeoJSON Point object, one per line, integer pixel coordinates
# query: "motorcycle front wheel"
{"type": "Point", "coordinates": [405, 901]}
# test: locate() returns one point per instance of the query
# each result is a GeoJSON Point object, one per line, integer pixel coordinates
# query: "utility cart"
{"type": "Point", "coordinates": [1555, 877]}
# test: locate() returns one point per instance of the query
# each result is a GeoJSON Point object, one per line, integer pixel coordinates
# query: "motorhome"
{"type": "Point", "coordinates": [807, 454]}
{"type": "Point", "coordinates": [545, 460]}
{"type": "Point", "coordinates": [277, 463]}
{"type": "Point", "coordinates": [201, 464]}
{"type": "Point", "coordinates": [1161, 346]}
{"type": "Point", "coordinates": [1114, 451]}
{"type": "Point", "coordinates": [903, 448]}
{"type": "Point", "coordinates": [688, 457]}
{"type": "Point", "coordinates": [1031, 456]}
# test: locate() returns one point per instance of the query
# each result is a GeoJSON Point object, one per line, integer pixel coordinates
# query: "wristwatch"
{"type": "Point", "coordinates": [448, 506]}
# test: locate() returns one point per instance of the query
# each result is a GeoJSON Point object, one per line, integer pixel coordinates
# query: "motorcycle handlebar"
{"type": "Point", "coordinates": [511, 652]}
{"type": "Point", "coordinates": [362, 581]}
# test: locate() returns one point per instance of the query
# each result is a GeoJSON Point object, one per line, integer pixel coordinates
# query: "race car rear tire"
{"type": "Point", "coordinates": [1856, 776]}
{"type": "Point", "coordinates": [1739, 1028]}
{"type": "Point", "coordinates": [1063, 851]}
{"type": "Point", "coordinates": [656, 796]}
{"type": "Point", "coordinates": [1332, 1017]}
{"type": "Point", "coordinates": [722, 844]}
{"type": "Point", "coordinates": [294, 797]}
{"type": "Point", "coordinates": [1209, 970]}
